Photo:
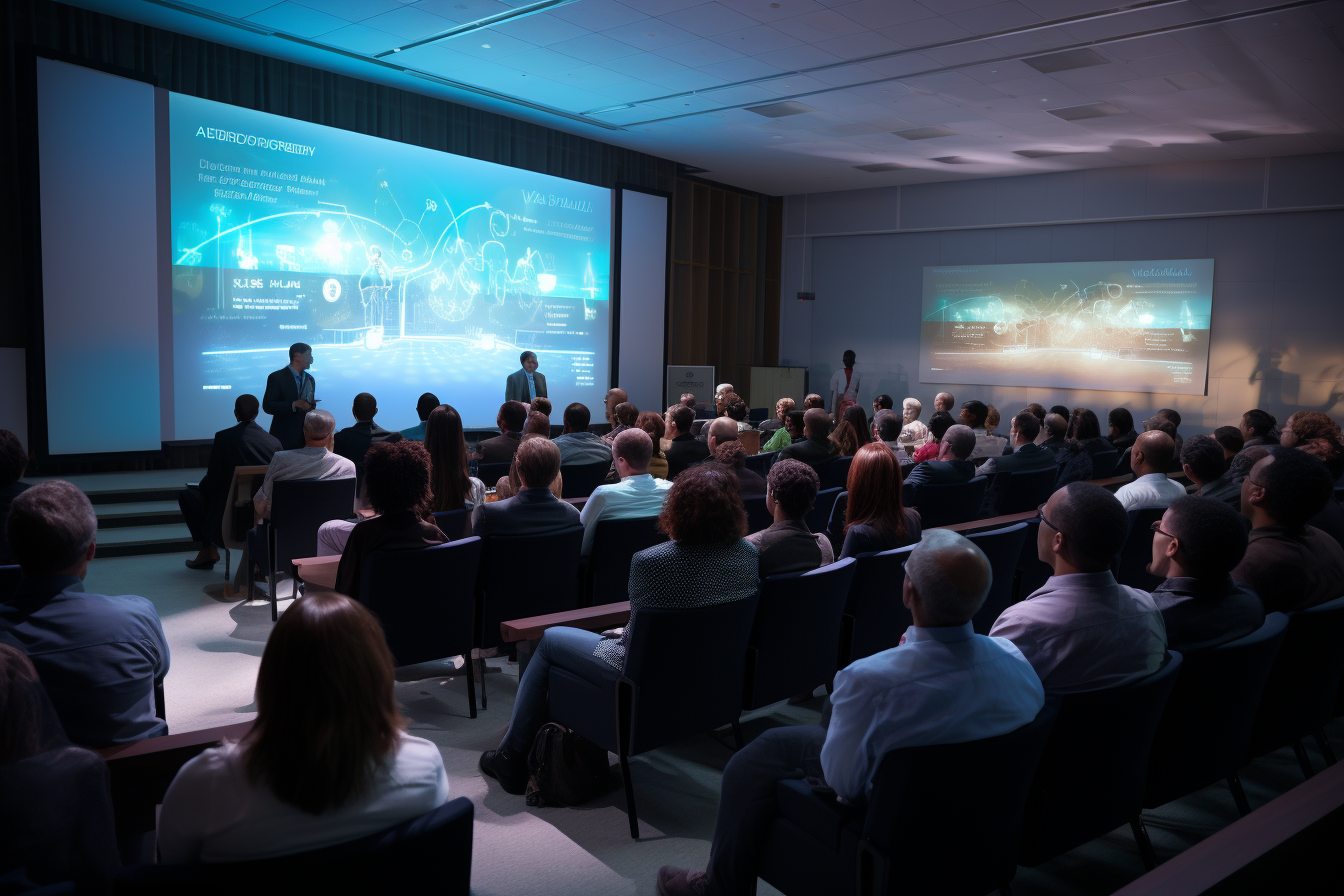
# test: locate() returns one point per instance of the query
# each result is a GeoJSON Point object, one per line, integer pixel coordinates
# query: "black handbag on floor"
{"type": "Point", "coordinates": [566, 768]}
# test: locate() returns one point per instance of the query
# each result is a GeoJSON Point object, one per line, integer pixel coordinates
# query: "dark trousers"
{"type": "Point", "coordinates": [748, 805]}
{"type": "Point", "coordinates": [192, 503]}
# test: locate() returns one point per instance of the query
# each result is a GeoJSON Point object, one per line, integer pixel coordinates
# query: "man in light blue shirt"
{"type": "Point", "coordinates": [577, 445]}
{"type": "Point", "coordinates": [944, 684]}
{"type": "Point", "coordinates": [638, 494]}
{"type": "Point", "coordinates": [427, 403]}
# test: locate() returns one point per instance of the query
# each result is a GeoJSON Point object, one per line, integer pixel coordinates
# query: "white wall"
{"type": "Point", "coordinates": [1275, 228]}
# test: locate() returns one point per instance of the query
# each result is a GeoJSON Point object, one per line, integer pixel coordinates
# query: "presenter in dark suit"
{"type": "Point", "coordinates": [525, 384]}
{"type": "Point", "coordinates": [289, 396]}
{"type": "Point", "coordinates": [534, 510]}
{"type": "Point", "coordinates": [243, 445]}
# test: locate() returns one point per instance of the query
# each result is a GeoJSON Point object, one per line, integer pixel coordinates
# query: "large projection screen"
{"type": "Point", "coordinates": [1132, 326]}
{"type": "Point", "coordinates": [643, 297]}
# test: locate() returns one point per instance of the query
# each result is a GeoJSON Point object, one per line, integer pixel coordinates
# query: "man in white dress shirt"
{"type": "Point", "coordinates": [1150, 458]}
{"type": "Point", "coordinates": [844, 387]}
{"type": "Point", "coordinates": [973, 414]}
{"type": "Point", "coordinates": [638, 494]}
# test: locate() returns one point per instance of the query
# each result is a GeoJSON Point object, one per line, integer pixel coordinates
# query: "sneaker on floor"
{"type": "Point", "coordinates": [680, 882]}
{"type": "Point", "coordinates": [511, 773]}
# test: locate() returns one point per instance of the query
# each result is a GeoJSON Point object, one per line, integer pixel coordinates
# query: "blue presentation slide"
{"type": "Point", "coordinates": [406, 269]}
{"type": "Point", "coordinates": [1131, 326]}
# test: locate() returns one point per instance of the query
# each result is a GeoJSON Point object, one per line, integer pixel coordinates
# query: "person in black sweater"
{"type": "Point", "coordinates": [683, 450]}
{"type": "Point", "coordinates": [816, 448]}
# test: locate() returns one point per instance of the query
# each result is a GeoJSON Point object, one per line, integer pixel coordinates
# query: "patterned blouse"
{"type": "Point", "coordinates": [672, 575]}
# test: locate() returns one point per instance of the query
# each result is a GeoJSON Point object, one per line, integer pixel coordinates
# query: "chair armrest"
{"type": "Point", "coordinates": [822, 818]}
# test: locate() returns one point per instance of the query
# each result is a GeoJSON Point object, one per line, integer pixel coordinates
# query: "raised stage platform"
{"type": "Point", "coordinates": [137, 512]}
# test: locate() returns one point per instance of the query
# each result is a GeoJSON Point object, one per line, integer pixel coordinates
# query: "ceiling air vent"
{"type": "Point", "coordinates": [1065, 61]}
{"type": "Point", "coordinates": [1229, 136]}
{"type": "Point", "coordinates": [1036, 153]}
{"type": "Point", "coordinates": [954, 160]}
{"type": "Point", "coordinates": [1090, 110]}
{"type": "Point", "coordinates": [936, 130]}
{"type": "Point", "coordinates": [780, 110]}
{"type": "Point", "coordinates": [881, 166]}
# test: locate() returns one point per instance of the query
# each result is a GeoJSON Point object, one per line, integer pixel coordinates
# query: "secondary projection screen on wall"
{"type": "Point", "coordinates": [1132, 326]}
{"type": "Point", "coordinates": [407, 269]}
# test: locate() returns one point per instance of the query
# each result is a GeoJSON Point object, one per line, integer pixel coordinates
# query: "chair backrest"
{"type": "Point", "coordinates": [1092, 775]}
{"type": "Point", "coordinates": [1131, 564]}
{"type": "Point", "coordinates": [760, 463]}
{"type": "Point", "coordinates": [299, 507]}
{"type": "Point", "coordinates": [491, 473]}
{"type": "Point", "coordinates": [1205, 731]}
{"type": "Point", "coordinates": [875, 617]}
{"type": "Point", "coordinates": [550, 586]}
{"type": "Point", "coordinates": [698, 425]}
{"type": "Point", "coordinates": [430, 853]}
{"type": "Point", "coordinates": [796, 633]}
{"type": "Point", "coordinates": [945, 503]}
{"type": "Point", "coordinates": [425, 599]}
{"type": "Point", "coordinates": [750, 439]}
{"type": "Point", "coordinates": [1103, 463]}
{"type": "Point", "coordinates": [835, 526]}
{"type": "Point", "coordinates": [579, 480]}
{"type": "Point", "coordinates": [994, 775]}
{"type": "Point", "coordinates": [680, 691]}
{"type": "Point", "coordinates": [835, 472]}
{"type": "Point", "coordinates": [615, 542]}
{"type": "Point", "coordinates": [1032, 571]}
{"type": "Point", "coordinates": [1303, 684]}
{"type": "Point", "coordinates": [1002, 547]}
{"type": "Point", "coordinates": [820, 515]}
{"type": "Point", "coordinates": [9, 580]}
{"type": "Point", "coordinates": [756, 415]}
{"type": "Point", "coordinates": [454, 524]}
{"type": "Point", "coordinates": [758, 517]}
{"type": "Point", "coordinates": [1024, 490]}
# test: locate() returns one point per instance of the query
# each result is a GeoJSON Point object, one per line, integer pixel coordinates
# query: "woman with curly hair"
{"type": "Point", "coordinates": [1319, 436]}
{"type": "Point", "coordinates": [652, 423]}
{"type": "Point", "coordinates": [396, 480]}
{"type": "Point", "coordinates": [704, 518]}
{"type": "Point", "coordinates": [875, 518]}
{"type": "Point", "coordinates": [852, 432]}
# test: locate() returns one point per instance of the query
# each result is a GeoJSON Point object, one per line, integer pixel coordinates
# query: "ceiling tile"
{"type": "Point", "coordinates": [773, 10]}
{"type": "Point", "coordinates": [350, 10]}
{"type": "Point", "coordinates": [542, 61]}
{"type": "Point", "coordinates": [963, 54]}
{"type": "Point", "coordinates": [844, 75]}
{"type": "Point", "coordinates": [1031, 42]}
{"type": "Point", "coordinates": [993, 72]}
{"type": "Point", "coordinates": [709, 19]}
{"type": "Point", "coordinates": [791, 84]}
{"type": "Point", "coordinates": [1144, 47]}
{"type": "Point", "coordinates": [598, 15]}
{"type": "Point", "coordinates": [734, 96]}
{"type": "Point", "coordinates": [745, 69]}
{"type": "Point", "coordinates": [593, 77]}
{"type": "Point", "coordinates": [437, 60]}
{"type": "Point", "coordinates": [660, 7]}
{"type": "Point", "coordinates": [594, 48]}
{"type": "Point", "coordinates": [487, 45]}
{"type": "Point", "coordinates": [628, 91]}
{"type": "Point", "coordinates": [295, 19]}
{"type": "Point", "coordinates": [799, 57]}
{"type": "Point", "coordinates": [885, 13]}
{"type": "Point", "coordinates": [361, 39]}
{"type": "Point", "coordinates": [820, 25]}
{"type": "Point", "coordinates": [925, 31]}
{"type": "Point", "coordinates": [410, 23]}
{"type": "Point", "coordinates": [649, 34]}
{"type": "Point", "coordinates": [998, 17]}
{"type": "Point", "coordinates": [855, 46]}
{"type": "Point", "coordinates": [939, 82]}
{"type": "Point", "coordinates": [897, 66]}
{"type": "Point", "coordinates": [697, 53]}
{"type": "Point", "coordinates": [236, 9]}
{"type": "Point", "coordinates": [642, 66]}
{"type": "Point", "coordinates": [756, 40]}
{"type": "Point", "coordinates": [541, 29]}
{"type": "Point", "coordinates": [462, 10]}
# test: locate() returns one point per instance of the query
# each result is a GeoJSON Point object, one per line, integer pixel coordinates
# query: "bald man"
{"type": "Point", "coordinates": [723, 431]}
{"type": "Point", "coordinates": [943, 401]}
{"type": "Point", "coordinates": [943, 684]}
{"type": "Point", "coordinates": [815, 448]}
{"type": "Point", "coordinates": [1150, 458]}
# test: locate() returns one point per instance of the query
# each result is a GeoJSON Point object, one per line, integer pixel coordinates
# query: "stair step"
{"type": "Point", "coordinates": [137, 513]}
{"type": "Point", "coordinates": [158, 539]}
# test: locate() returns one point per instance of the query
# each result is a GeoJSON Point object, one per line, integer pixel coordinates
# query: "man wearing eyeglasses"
{"type": "Point", "coordinates": [1081, 630]}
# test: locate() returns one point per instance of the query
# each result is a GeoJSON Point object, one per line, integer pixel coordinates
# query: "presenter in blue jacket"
{"type": "Point", "coordinates": [526, 384]}
{"type": "Point", "coordinates": [289, 396]}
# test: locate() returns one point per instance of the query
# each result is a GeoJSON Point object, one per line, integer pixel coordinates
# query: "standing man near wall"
{"type": "Point", "coordinates": [526, 384]}
{"type": "Point", "coordinates": [844, 387]}
{"type": "Point", "coordinates": [289, 396]}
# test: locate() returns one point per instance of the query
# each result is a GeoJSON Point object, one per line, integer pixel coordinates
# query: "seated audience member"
{"type": "Point", "coordinates": [1317, 435]}
{"type": "Point", "coordinates": [992, 419]}
{"type": "Point", "coordinates": [943, 401]}
{"type": "Point", "coordinates": [13, 461]}
{"type": "Point", "coordinates": [625, 416]}
{"type": "Point", "coordinates": [1156, 423]}
{"type": "Point", "coordinates": [1073, 458]}
{"type": "Point", "coordinates": [1149, 458]}
{"type": "Point", "coordinates": [1036, 410]}
{"type": "Point", "coordinates": [1292, 565]}
{"type": "Point", "coordinates": [99, 657]}
{"type": "Point", "coordinates": [1258, 428]}
{"type": "Point", "coordinates": [720, 396]}
{"type": "Point", "coordinates": [913, 432]}
{"type": "Point", "coordinates": [653, 424]}
{"type": "Point", "coordinates": [1196, 545]}
{"type": "Point", "coordinates": [1203, 463]}
{"type": "Point", "coordinates": [813, 400]}
{"type": "Point", "coordinates": [542, 405]}
{"type": "Point", "coordinates": [500, 449]}
{"type": "Point", "coordinates": [782, 408]}
{"type": "Point", "coordinates": [1240, 466]}
{"type": "Point", "coordinates": [735, 409]}
{"type": "Point", "coordinates": [423, 408]}
{"type": "Point", "coordinates": [538, 426]}
{"type": "Point", "coordinates": [974, 414]}
{"type": "Point", "coordinates": [353, 442]}
{"type": "Point", "coordinates": [883, 403]}
{"type": "Point", "coordinates": [815, 448]}
{"type": "Point", "coordinates": [688, 399]}
{"type": "Point", "coordinates": [243, 445]}
{"type": "Point", "coordinates": [1027, 457]}
{"type": "Point", "coordinates": [1081, 630]}
{"type": "Point", "coordinates": [939, 424]}
{"type": "Point", "coordinates": [450, 486]}
{"type": "Point", "coordinates": [727, 449]}
{"type": "Point", "coordinates": [54, 797]}
{"type": "Point", "coordinates": [875, 518]}
{"type": "Point", "coordinates": [1061, 411]}
{"type": "Point", "coordinates": [952, 464]}
{"type": "Point", "coordinates": [1085, 429]}
{"type": "Point", "coordinates": [637, 494]}
{"type": "Point", "coordinates": [535, 510]}
{"type": "Point", "coordinates": [614, 397]}
{"type": "Point", "coordinates": [683, 449]}
{"type": "Point", "coordinates": [851, 433]}
{"type": "Point", "coordinates": [1175, 418]}
{"type": "Point", "coordinates": [787, 545]}
{"type": "Point", "coordinates": [328, 759]}
{"type": "Point", "coordinates": [1054, 428]}
{"type": "Point", "coordinates": [704, 518]}
{"type": "Point", "coordinates": [887, 429]}
{"type": "Point", "coordinates": [1230, 438]}
{"type": "Point", "coordinates": [396, 481]}
{"type": "Point", "coordinates": [943, 684]}
{"type": "Point", "coordinates": [786, 435]}
{"type": "Point", "coordinates": [577, 445]}
{"type": "Point", "coordinates": [1120, 429]}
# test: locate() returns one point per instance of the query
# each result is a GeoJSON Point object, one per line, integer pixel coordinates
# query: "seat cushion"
{"type": "Point", "coordinates": [584, 707]}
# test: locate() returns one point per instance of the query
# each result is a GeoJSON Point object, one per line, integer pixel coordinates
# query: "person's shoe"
{"type": "Point", "coordinates": [504, 768]}
{"type": "Point", "coordinates": [200, 562]}
{"type": "Point", "coordinates": [680, 882]}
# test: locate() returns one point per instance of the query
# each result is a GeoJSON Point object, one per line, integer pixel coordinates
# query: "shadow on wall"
{"type": "Point", "coordinates": [1280, 389]}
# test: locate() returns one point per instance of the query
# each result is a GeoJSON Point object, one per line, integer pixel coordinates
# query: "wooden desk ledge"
{"type": "Point", "coordinates": [204, 737]}
{"type": "Point", "coordinates": [597, 618]}
{"type": "Point", "coordinates": [319, 570]}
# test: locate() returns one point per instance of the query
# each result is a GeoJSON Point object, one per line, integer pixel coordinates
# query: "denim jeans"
{"type": "Point", "coordinates": [572, 650]}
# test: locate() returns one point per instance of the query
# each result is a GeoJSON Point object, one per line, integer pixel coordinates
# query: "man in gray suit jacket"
{"type": "Point", "coordinates": [1027, 457]}
{"type": "Point", "coordinates": [534, 510]}
{"type": "Point", "coordinates": [525, 384]}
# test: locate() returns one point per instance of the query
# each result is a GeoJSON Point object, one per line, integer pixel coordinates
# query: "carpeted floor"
{"type": "Point", "coordinates": [216, 649]}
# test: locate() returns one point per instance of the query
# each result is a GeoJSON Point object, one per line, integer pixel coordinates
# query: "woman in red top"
{"type": "Point", "coordinates": [938, 425]}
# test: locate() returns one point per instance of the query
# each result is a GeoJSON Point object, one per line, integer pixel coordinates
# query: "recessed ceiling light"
{"type": "Point", "coordinates": [485, 46]}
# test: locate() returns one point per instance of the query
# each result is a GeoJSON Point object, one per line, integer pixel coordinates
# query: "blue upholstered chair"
{"type": "Point", "coordinates": [795, 634]}
{"type": "Point", "coordinates": [431, 853]}
{"type": "Point", "coordinates": [835, 472]}
{"type": "Point", "coordinates": [1092, 775]}
{"type": "Point", "coordinates": [820, 515]}
{"type": "Point", "coordinates": [615, 543]}
{"type": "Point", "coordinates": [491, 473]}
{"type": "Point", "coordinates": [682, 676]}
{"type": "Point", "coordinates": [9, 580]}
{"type": "Point", "coordinates": [426, 601]}
{"type": "Point", "coordinates": [1205, 732]}
{"type": "Point", "coordinates": [1303, 686]}
{"type": "Point", "coordinates": [1131, 564]}
{"type": "Point", "coordinates": [299, 507]}
{"type": "Point", "coordinates": [1018, 491]}
{"type": "Point", "coordinates": [874, 617]}
{"type": "Point", "coordinates": [1032, 571]}
{"type": "Point", "coordinates": [760, 463]}
{"type": "Point", "coordinates": [579, 480]}
{"type": "Point", "coordinates": [903, 841]}
{"type": "Point", "coordinates": [1002, 547]}
{"type": "Point", "coordinates": [454, 524]}
{"type": "Point", "coordinates": [758, 517]}
{"type": "Point", "coordinates": [942, 504]}
{"type": "Point", "coordinates": [1103, 464]}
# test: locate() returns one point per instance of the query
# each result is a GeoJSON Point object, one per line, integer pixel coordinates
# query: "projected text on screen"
{"type": "Point", "coordinates": [407, 270]}
{"type": "Point", "coordinates": [1133, 326]}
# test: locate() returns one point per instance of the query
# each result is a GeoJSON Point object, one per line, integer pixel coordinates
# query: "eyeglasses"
{"type": "Point", "coordinates": [1156, 528]}
{"type": "Point", "coordinates": [1040, 518]}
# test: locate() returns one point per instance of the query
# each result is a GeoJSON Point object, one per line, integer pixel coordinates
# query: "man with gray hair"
{"type": "Point", "coordinates": [99, 657]}
{"type": "Point", "coordinates": [952, 464]}
{"type": "Point", "coordinates": [914, 433]}
{"type": "Point", "coordinates": [943, 684]}
{"type": "Point", "coordinates": [887, 430]}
